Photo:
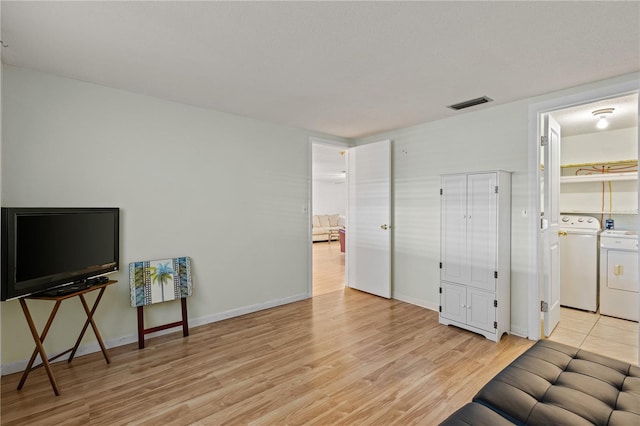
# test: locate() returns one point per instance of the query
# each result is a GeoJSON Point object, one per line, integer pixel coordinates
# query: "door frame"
{"type": "Point", "coordinates": [313, 140]}
{"type": "Point", "coordinates": [536, 111]}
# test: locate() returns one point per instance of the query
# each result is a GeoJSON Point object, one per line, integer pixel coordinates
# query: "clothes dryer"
{"type": "Point", "coordinates": [619, 274]}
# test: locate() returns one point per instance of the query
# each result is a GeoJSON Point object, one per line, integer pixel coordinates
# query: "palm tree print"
{"type": "Point", "coordinates": [144, 275]}
{"type": "Point", "coordinates": [161, 274]}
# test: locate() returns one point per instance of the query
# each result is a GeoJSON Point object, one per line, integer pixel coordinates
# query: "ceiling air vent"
{"type": "Point", "coordinates": [470, 103]}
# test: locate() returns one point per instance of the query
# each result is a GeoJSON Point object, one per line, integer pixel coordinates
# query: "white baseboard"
{"type": "Point", "coordinates": [520, 332]}
{"type": "Point", "coordinates": [516, 331]}
{"type": "Point", "coordinates": [18, 366]}
{"type": "Point", "coordinates": [418, 302]}
{"type": "Point", "coordinates": [246, 310]}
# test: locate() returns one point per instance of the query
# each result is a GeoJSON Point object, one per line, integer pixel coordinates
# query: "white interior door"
{"type": "Point", "coordinates": [551, 223]}
{"type": "Point", "coordinates": [368, 251]}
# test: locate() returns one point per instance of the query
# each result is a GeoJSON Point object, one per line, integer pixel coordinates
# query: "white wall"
{"type": "Point", "coordinates": [220, 182]}
{"type": "Point", "coordinates": [329, 197]}
{"type": "Point", "coordinates": [329, 164]}
{"type": "Point", "coordinates": [189, 181]}
{"type": "Point", "coordinates": [613, 145]}
{"type": "Point", "coordinates": [487, 139]}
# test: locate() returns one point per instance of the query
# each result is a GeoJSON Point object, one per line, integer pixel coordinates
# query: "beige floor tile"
{"type": "Point", "coordinates": [579, 321]}
{"type": "Point", "coordinates": [611, 349]}
{"type": "Point", "coordinates": [617, 333]}
{"type": "Point", "coordinates": [619, 323]}
{"type": "Point", "coordinates": [613, 337]}
{"type": "Point", "coordinates": [567, 336]}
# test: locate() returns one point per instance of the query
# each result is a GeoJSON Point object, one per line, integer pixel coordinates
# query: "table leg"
{"type": "Point", "coordinates": [93, 326]}
{"type": "Point", "coordinates": [39, 347]}
{"type": "Point", "coordinates": [185, 322]}
{"type": "Point", "coordinates": [140, 328]}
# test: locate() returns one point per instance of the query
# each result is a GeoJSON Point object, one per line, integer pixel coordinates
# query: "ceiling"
{"type": "Point", "coordinates": [348, 69]}
{"type": "Point", "coordinates": [579, 120]}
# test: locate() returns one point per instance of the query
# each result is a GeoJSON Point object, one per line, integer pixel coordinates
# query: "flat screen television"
{"type": "Point", "coordinates": [46, 248]}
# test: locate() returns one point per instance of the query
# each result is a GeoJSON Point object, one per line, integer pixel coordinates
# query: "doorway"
{"type": "Point", "coordinates": [328, 215]}
{"type": "Point", "coordinates": [367, 249]}
{"type": "Point", "coordinates": [583, 193]}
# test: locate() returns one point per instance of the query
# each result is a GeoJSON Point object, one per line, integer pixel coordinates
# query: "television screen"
{"type": "Point", "coordinates": [43, 248]}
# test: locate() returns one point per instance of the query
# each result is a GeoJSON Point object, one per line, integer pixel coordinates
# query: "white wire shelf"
{"type": "Point", "coordinates": [600, 177]}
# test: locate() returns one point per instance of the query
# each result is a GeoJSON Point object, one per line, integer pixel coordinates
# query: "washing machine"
{"type": "Point", "coordinates": [619, 274]}
{"type": "Point", "coordinates": [578, 241]}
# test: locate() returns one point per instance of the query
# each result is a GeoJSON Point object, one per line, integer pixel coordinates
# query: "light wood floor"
{"type": "Point", "coordinates": [343, 357]}
{"type": "Point", "coordinates": [613, 337]}
{"type": "Point", "coordinates": [328, 267]}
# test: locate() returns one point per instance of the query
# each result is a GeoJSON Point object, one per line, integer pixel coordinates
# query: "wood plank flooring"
{"type": "Point", "coordinates": [342, 357]}
{"type": "Point", "coordinates": [328, 267]}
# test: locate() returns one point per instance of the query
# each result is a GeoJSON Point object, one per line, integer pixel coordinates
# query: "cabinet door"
{"type": "Point", "coordinates": [453, 302]}
{"type": "Point", "coordinates": [480, 308]}
{"type": "Point", "coordinates": [453, 229]}
{"type": "Point", "coordinates": [482, 209]}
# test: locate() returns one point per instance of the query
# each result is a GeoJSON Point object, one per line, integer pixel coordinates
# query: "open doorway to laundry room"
{"type": "Point", "coordinates": [597, 196]}
{"type": "Point", "coordinates": [328, 213]}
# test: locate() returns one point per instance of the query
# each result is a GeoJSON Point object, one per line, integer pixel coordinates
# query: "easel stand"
{"type": "Point", "coordinates": [142, 331]}
{"type": "Point", "coordinates": [39, 339]}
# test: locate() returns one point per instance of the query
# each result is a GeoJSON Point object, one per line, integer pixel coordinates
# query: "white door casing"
{"type": "Point", "coordinates": [368, 228]}
{"type": "Point", "coordinates": [551, 223]}
{"type": "Point", "coordinates": [537, 110]}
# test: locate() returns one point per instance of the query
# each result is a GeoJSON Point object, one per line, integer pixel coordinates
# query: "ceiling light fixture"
{"type": "Point", "coordinates": [602, 117]}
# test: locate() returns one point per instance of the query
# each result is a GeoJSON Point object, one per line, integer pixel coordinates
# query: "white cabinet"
{"type": "Point", "coordinates": [467, 305]}
{"type": "Point", "coordinates": [475, 252]}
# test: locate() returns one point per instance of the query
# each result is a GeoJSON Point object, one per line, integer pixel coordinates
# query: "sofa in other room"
{"type": "Point", "coordinates": [326, 226]}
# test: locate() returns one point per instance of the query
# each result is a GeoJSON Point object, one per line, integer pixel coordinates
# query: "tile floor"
{"type": "Point", "coordinates": [613, 337]}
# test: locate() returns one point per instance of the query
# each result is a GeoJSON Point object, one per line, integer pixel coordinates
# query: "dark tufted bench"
{"type": "Point", "coordinates": [556, 384]}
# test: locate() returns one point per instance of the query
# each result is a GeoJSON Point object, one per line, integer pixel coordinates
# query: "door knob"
{"type": "Point", "coordinates": [385, 226]}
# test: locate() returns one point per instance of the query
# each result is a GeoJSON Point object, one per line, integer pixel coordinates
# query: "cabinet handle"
{"type": "Point", "coordinates": [562, 233]}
